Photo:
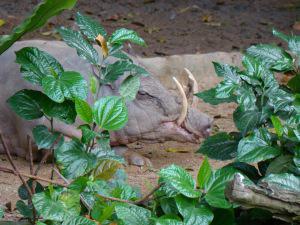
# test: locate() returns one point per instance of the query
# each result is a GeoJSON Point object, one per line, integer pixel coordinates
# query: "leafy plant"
{"type": "Point", "coordinates": [266, 117]}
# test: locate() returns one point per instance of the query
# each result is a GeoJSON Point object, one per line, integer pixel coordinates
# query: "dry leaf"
{"type": "Point", "coordinates": [207, 18]}
{"type": "Point", "coordinates": [176, 150]}
{"type": "Point", "coordinates": [2, 22]}
{"type": "Point", "coordinates": [102, 43]}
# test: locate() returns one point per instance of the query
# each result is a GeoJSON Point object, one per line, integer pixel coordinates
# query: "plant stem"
{"type": "Point", "coordinates": [33, 185]}
{"type": "Point", "coordinates": [14, 166]}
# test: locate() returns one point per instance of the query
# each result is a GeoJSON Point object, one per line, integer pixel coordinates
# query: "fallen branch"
{"type": "Point", "coordinates": [285, 205]}
{"type": "Point", "coordinates": [7, 170]}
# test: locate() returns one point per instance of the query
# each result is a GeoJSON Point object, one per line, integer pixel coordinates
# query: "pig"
{"type": "Point", "coordinates": [156, 115]}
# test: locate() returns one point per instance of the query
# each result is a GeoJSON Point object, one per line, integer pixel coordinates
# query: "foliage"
{"type": "Point", "coordinates": [267, 114]}
{"type": "Point", "coordinates": [44, 11]}
{"type": "Point", "coordinates": [267, 119]}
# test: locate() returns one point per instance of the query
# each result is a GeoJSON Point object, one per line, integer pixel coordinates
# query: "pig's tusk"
{"type": "Point", "coordinates": [192, 78]}
{"type": "Point", "coordinates": [195, 86]}
{"type": "Point", "coordinates": [184, 103]}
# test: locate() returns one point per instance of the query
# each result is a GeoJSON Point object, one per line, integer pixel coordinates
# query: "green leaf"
{"type": "Point", "coordinates": [24, 209]}
{"type": "Point", "coordinates": [87, 133]}
{"type": "Point", "coordinates": [247, 120]}
{"type": "Point", "coordinates": [129, 87]}
{"type": "Point", "coordinates": [221, 146]}
{"type": "Point", "coordinates": [204, 173]}
{"type": "Point", "coordinates": [277, 125]}
{"type": "Point", "coordinates": [294, 83]}
{"type": "Point", "coordinates": [215, 187]}
{"type": "Point", "coordinates": [110, 113]}
{"type": "Point", "coordinates": [103, 211]}
{"type": "Point", "coordinates": [113, 71]}
{"type": "Point", "coordinates": [272, 57]}
{"type": "Point", "coordinates": [279, 99]}
{"type": "Point", "coordinates": [36, 64]}
{"type": "Point", "coordinates": [257, 147]}
{"type": "Point", "coordinates": [281, 164]}
{"type": "Point", "coordinates": [123, 34]}
{"type": "Point", "coordinates": [23, 193]}
{"type": "Point", "coordinates": [93, 84]}
{"type": "Point", "coordinates": [89, 27]}
{"type": "Point", "coordinates": [180, 180]}
{"type": "Point", "coordinates": [292, 40]}
{"type": "Point", "coordinates": [51, 205]}
{"type": "Point", "coordinates": [193, 215]}
{"type": "Point", "coordinates": [31, 104]}
{"type": "Point", "coordinates": [70, 85]}
{"type": "Point", "coordinates": [249, 170]}
{"type": "Point", "coordinates": [78, 220]}
{"type": "Point", "coordinates": [84, 49]}
{"type": "Point", "coordinates": [39, 16]}
{"type": "Point", "coordinates": [284, 181]}
{"type": "Point", "coordinates": [133, 215]}
{"type": "Point", "coordinates": [167, 220]}
{"type": "Point", "coordinates": [73, 160]}
{"type": "Point", "coordinates": [84, 111]}
{"type": "Point", "coordinates": [1, 213]}
{"type": "Point", "coordinates": [44, 139]}
{"type": "Point", "coordinates": [209, 96]}
{"type": "Point", "coordinates": [246, 98]}
{"type": "Point", "coordinates": [24, 104]}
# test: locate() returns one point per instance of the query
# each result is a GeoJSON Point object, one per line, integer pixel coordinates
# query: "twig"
{"type": "Point", "coordinates": [33, 185]}
{"type": "Point", "coordinates": [29, 144]}
{"type": "Point", "coordinates": [146, 197]}
{"type": "Point", "coordinates": [14, 166]}
{"type": "Point", "coordinates": [7, 170]}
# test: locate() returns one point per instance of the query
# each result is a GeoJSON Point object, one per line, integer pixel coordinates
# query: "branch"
{"type": "Point", "coordinates": [7, 170]}
{"type": "Point", "coordinates": [16, 171]}
{"type": "Point", "coordinates": [285, 205]}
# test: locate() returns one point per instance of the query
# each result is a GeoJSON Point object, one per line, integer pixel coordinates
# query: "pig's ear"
{"type": "Point", "coordinates": [192, 88]}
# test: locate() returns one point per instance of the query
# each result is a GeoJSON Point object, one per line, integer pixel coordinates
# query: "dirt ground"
{"type": "Point", "coordinates": [174, 26]}
{"type": "Point", "coordinates": [169, 27]}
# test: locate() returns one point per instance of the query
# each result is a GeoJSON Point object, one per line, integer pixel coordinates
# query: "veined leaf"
{"type": "Point", "coordinates": [24, 209]}
{"type": "Point", "coordinates": [51, 206]}
{"type": "Point", "coordinates": [123, 34]}
{"type": "Point", "coordinates": [204, 173]}
{"type": "Point", "coordinates": [25, 104]}
{"type": "Point", "coordinates": [70, 85]}
{"type": "Point", "coordinates": [285, 181]}
{"type": "Point", "coordinates": [78, 220]}
{"type": "Point", "coordinates": [73, 160]}
{"type": "Point", "coordinates": [193, 215]}
{"type": "Point", "coordinates": [106, 169]}
{"type": "Point", "coordinates": [272, 57]}
{"type": "Point", "coordinates": [129, 87]}
{"type": "Point", "coordinates": [44, 139]}
{"type": "Point", "coordinates": [246, 97]}
{"type": "Point", "coordinates": [133, 215]}
{"type": "Point", "coordinates": [277, 125]}
{"type": "Point", "coordinates": [292, 40]}
{"type": "Point", "coordinates": [247, 120]}
{"type": "Point", "coordinates": [221, 146]}
{"type": "Point", "coordinates": [89, 27]}
{"type": "Point", "coordinates": [84, 111]}
{"type": "Point", "coordinates": [257, 147]}
{"type": "Point", "coordinates": [215, 187]}
{"type": "Point", "coordinates": [209, 96]}
{"type": "Point", "coordinates": [281, 164]}
{"type": "Point", "coordinates": [84, 49]}
{"type": "Point", "coordinates": [41, 13]}
{"type": "Point", "coordinates": [180, 180]}
{"type": "Point", "coordinates": [37, 64]}
{"type": "Point", "coordinates": [110, 113]}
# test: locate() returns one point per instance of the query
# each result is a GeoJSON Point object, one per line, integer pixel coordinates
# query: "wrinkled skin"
{"type": "Point", "coordinates": [152, 115]}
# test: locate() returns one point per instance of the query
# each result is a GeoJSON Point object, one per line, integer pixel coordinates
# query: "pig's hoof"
{"type": "Point", "coordinates": [132, 158]}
